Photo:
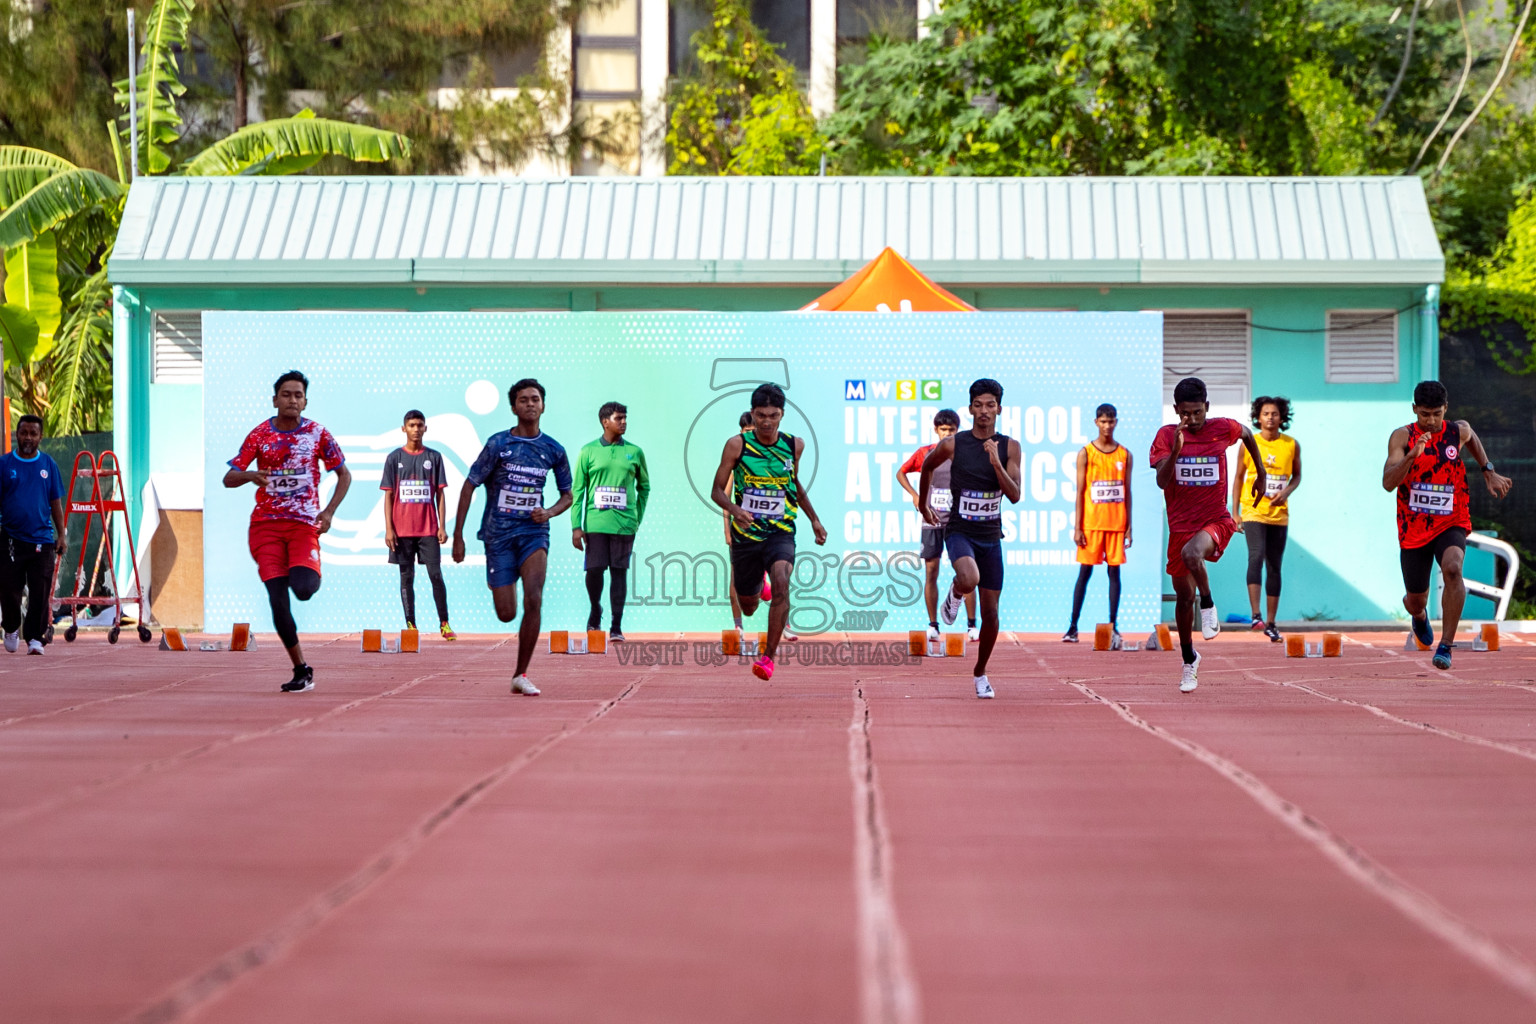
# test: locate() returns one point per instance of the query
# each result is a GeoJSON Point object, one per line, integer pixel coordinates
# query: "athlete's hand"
{"type": "Point", "coordinates": [389, 538]}
{"type": "Point", "coordinates": [1260, 485]}
{"type": "Point", "coordinates": [539, 515]}
{"type": "Point", "coordinates": [1080, 538]}
{"type": "Point", "coordinates": [576, 536]}
{"type": "Point", "coordinates": [1127, 538]}
{"type": "Point", "coordinates": [442, 535]}
{"type": "Point", "coordinates": [930, 516]}
{"type": "Point", "coordinates": [990, 447]}
{"type": "Point", "coordinates": [1239, 524]}
{"type": "Point", "coordinates": [819, 530]}
{"type": "Point", "coordinates": [458, 547]}
{"type": "Point", "coordinates": [1418, 446]}
{"type": "Point", "coordinates": [1498, 484]}
{"type": "Point", "coordinates": [255, 476]}
{"type": "Point", "coordinates": [917, 502]}
{"type": "Point", "coordinates": [742, 516]}
{"type": "Point", "coordinates": [1178, 440]}
{"type": "Point", "coordinates": [323, 521]}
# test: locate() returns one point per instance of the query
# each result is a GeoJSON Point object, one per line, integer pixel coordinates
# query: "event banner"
{"type": "Point", "coordinates": [862, 390]}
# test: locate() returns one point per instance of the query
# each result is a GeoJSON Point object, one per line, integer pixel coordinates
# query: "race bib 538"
{"type": "Point", "coordinates": [519, 501]}
{"type": "Point", "coordinates": [1198, 470]}
{"type": "Point", "coordinates": [1432, 499]}
{"type": "Point", "coordinates": [976, 505]}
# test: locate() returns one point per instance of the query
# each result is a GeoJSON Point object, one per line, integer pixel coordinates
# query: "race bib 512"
{"type": "Point", "coordinates": [616, 498]}
{"type": "Point", "coordinates": [1198, 470]}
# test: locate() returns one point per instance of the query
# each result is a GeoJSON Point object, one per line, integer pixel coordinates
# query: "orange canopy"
{"type": "Point", "coordinates": [889, 284]}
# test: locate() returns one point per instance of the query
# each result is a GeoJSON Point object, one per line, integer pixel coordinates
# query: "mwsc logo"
{"type": "Point", "coordinates": [904, 390]}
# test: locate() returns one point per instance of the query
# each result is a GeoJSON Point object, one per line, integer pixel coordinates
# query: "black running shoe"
{"type": "Point", "coordinates": [1069, 637]}
{"type": "Point", "coordinates": [303, 679]}
{"type": "Point", "coordinates": [1273, 633]}
{"type": "Point", "coordinates": [1257, 623]}
{"type": "Point", "coordinates": [614, 636]}
{"type": "Point", "coordinates": [1442, 658]}
{"type": "Point", "coordinates": [1423, 632]}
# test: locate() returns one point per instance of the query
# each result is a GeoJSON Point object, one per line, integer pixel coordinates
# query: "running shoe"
{"type": "Point", "coordinates": [1257, 623]}
{"type": "Point", "coordinates": [447, 632]}
{"type": "Point", "coordinates": [1069, 637]}
{"type": "Point", "coordinates": [409, 624]}
{"type": "Point", "coordinates": [1441, 660]}
{"type": "Point", "coordinates": [1423, 631]}
{"type": "Point", "coordinates": [1273, 633]}
{"type": "Point", "coordinates": [1191, 675]}
{"type": "Point", "coordinates": [36, 647]}
{"type": "Point", "coordinates": [12, 642]}
{"type": "Point", "coordinates": [984, 688]}
{"type": "Point", "coordinates": [1210, 624]}
{"type": "Point", "coordinates": [950, 608]}
{"type": "Point", "coordinates": [614, 636]}
{"type": "Point", "coordinates": [1116, 641]}
{"type": "Point", "coordinates": [933, 633]}
{"type": "Point", "coordinates": [763, 668]}
{"type": "Point", "coordinates": [973, 633]}
{"type": "Point", "coordinates": [303, 679]}
{"type": "Point", "coordinates": [787, 635]}
{"type": "Point", "coordinates": [520, 684]}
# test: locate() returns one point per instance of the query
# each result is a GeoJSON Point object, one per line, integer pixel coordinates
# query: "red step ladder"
{"type": "Point", "coordinates": [102, 505]}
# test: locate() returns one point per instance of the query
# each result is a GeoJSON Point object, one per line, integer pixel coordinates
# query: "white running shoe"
{"type": "Point", "coordinates": [34, 647]}
{"type": "Point", "coordinates": [12, 641]}
{"type": "Point", "coordinates": [1116, 641]}
{"type": "Point", "coordinates": [973, 634]}
{"type": "Point", "coordinates": [950, 607]}
{"type": "Point", "coordinates": [933, 632]}
{"type": "Point", "coordinates": [1210, 625]}
{"type": "Point", "coordinates": [788, 636]}
{"type": "Point", "coordinates": [984, 688]}
{"type": "Point", "coordinates": [1191, 675]}
{"type": "Point", "coordinates": [520, 684]}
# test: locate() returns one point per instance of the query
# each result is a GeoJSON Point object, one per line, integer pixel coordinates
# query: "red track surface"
{"type": "Point", "coordinates": [1298, 840]}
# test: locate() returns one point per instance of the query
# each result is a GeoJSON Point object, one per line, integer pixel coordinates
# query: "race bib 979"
{"type": "Point", "coordinates": [1198, 470]}
{"type": "Point", "coordinates": [1432, 499]}
{"type": "Point", "coordinates": [1103, 492]}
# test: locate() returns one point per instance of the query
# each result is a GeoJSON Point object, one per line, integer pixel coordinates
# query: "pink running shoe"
{"type": "Point", "coordinates": [767, 592]}
{"type": "Point", "coordinates": [763, 668]}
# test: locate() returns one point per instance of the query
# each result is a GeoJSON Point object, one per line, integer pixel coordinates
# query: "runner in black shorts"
{"type": "Point", "coordinates": [413, 481]}
{"type": "Point", "coordinates": [945, 423]}
{"type": "Point", "coordinates": [984, 467]}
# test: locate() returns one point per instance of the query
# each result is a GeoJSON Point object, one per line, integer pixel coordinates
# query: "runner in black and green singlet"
{"type": "Point", "coordinates": [762, 468]}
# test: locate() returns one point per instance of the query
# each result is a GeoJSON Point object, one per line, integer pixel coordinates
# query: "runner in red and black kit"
{"type": "Point", "coordinates": [1190, 457]}
{"type": "Point", "coordinates": [1425, 466]}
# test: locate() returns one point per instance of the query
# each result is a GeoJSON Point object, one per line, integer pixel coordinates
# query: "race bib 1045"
{"type": "Point", "coordinates": [1432, 499]}
{"type": "Point", "coordinates": [289, 483]}
{"type": "Point", "coordinates": [414, 492]}
{"type": "Point", "coordinates": [1198, 470]}
{"type": "Point", "coordinates": [1104, 492]}
{"type": "Point", "coordinates": [763, 502]}
{"type": "Point", "coordinates": [519, 501]}
{"type": "Point", "coordinates": [981, 505]}
{"type": "Point", "coordinates": [616, 498]}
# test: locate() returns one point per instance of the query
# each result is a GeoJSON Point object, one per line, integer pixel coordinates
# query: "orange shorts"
{"type": "Point", "coordinates": [1103, 546]}
{"type": "Point", "coordinates": [1221, 532]}
{"type": "Point", "coordinates": [278, 545]}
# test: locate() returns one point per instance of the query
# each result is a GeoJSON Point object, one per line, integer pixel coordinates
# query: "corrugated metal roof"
{"type": "Point", "coordinates": [960, 231]}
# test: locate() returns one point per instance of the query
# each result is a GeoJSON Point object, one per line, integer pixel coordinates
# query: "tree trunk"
{"type": "Point", "coordinates": [242, 70]}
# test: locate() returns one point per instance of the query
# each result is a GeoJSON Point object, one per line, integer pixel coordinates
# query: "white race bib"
{"type": "Point", "coordinates": [415, 492]}
{"type": "Point", "coordinates": [1274, 484]}
{"type": "Point", "coordinates": [1198, 470]}
{"type": "Point", "coordinates": [981, 505]}
{"type": "Point", "coordinates": [1432, 499]}
{"type": "Point", "coordinates": [1107, 492]}
{"type": "Point", "coordinates": [616, 498]}
{"type": "Point", "coordinates": [289, 483]}
{"type": "Point", "coordinates": [941, 501]}
{"type": "Point", "coordinates": [763, 502]}
{"type": "Point", "coordinates": [519, 501]}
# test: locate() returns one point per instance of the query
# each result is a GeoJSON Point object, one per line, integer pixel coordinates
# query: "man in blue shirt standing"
{"type": "Point", "coordinates": [514, 466]}
{"type": "Point", "coordinates": [31, 519]}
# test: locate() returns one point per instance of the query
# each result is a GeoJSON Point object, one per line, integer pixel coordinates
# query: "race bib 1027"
{"type": "Point", "coordinates": [1107, 492]}
{"type": "Point", "coordinates": [981, 505]}
{"type": "Point", "coordinates": [1198, 470]}
{"type": "Point", "coordinates": [1432, 499]}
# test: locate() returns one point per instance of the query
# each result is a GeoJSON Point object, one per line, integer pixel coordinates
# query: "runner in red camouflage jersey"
{"type": "Point", "coordinates": [1425, 466]}
{"type": "Point", "coordinates": [1191, 462]}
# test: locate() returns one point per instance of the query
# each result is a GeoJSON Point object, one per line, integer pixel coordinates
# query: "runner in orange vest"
{"type": "Point", "coordinates": [1101, 518]}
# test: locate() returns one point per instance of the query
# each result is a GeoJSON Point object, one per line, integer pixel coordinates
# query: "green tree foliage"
{"type": "Point", "coordinates": [739, 109]}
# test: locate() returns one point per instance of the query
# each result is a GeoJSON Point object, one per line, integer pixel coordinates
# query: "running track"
{"type": "Point", "coordinates": [1299, 840]}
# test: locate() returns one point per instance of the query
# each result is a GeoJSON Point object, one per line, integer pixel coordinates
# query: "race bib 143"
{"type": "Point", "coordinates": [288, 483]}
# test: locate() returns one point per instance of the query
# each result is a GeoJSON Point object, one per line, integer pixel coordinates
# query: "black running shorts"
{"type": "Point", "coordinates": [1418, 561]}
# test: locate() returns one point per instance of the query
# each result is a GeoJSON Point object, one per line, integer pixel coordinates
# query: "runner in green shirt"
{"type": "Point", "coordinates": [610, 485]}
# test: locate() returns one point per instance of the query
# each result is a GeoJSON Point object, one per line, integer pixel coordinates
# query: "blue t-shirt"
{"type": "Point", "coordinates": [514, 470]}
{"type": "Point", "coordinates": [28, 487]}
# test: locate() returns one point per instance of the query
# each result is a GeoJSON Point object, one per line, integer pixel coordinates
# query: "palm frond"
{"type": "Point", "coordinates": [52, 201]}
{"type": "Point", "coordinates": [80, 378]}
{"type": "Point", "coordinates": [22, 169]}
{"type": "Point", "coordinates": [291, 144]}
{"type": "Point", "coordinates": [159, 82]}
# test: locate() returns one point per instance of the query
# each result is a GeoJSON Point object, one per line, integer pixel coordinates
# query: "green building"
{"type": "Point", "coordinates": [1320, 289]}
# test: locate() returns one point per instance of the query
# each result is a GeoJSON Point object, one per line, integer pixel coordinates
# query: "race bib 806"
{"type": "Point", "coordinates": [1198, 470]}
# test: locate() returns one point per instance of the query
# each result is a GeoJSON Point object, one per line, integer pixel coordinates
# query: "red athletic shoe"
{"type": "Point", "coordinates": [763, 668]}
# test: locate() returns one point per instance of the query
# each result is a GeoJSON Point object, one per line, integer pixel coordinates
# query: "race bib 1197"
{"type": "Point", "coordinates": [763, 502]}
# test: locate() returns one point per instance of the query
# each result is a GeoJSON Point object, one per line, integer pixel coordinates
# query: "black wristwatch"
{"type": "Point", "coordinates": [1487, 467]}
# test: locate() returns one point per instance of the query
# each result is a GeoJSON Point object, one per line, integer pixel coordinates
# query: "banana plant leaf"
{"type": "Point", "coordinates": [291, 144]}
{"type": "Point", "coordinates": [32, 283]}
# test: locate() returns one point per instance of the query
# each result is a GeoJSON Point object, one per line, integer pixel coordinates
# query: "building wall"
{"type": "Point", "coordinates": [1341, 561]}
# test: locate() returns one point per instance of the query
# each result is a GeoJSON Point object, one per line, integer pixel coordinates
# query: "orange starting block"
{"type": "Point", "coordinates": [1160, 639]}
{"type": "Point", "coordinates": [241, 638]}
{"type": "Point", "coordinates": [917, 642]}
{"type": "Point", "coordinates": [410, 641]}
{"type": "Point", "coordinates": [1102, 635]}
{"type": "Point", "coordinates": [954, 645]}
{"type": "Point", "coordinates": [1298, 646]}
{"type": "Point", "coordinates": [171, 639]}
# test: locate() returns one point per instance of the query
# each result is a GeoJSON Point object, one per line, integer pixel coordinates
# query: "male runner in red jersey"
{"type": "Point", "coordinates": [1425, 466]}
{"type": "Point", "coordinates": [1191, 462]}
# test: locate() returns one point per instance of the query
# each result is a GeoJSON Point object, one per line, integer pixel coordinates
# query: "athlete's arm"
{"type": "Point", "coordinates": [1258, 466]}
{"type": "Point", "coordinates": [717, 493]}
{"type": "Point", "coordinates": [343, 482]}
{"type": "Point", "coordinates": [1285, 492]}
{"type": "Point", "coordinates": [1007, 475]}
{"type": "Point", "coordinates": [389, 518]}
{"type": "Point", "coordinates": [1239, 475]}
{"type": "Point", "coordinates": [1127, 497]}
{"type": "Point", "coordinates": [1498, 485]}
{"type": "Point", "coordinates": [1167, 467]}
{"type": "Point", "coordinates": [817, 529]}
{"type": "Point", "coordinates": [466, 495]}
{"type": "Point", "coordinates": [56, 507]}
{"type": "Point", "coordinates": [942, 453]}
{"type": "Point", "coordinates": [906, 485]}
{"type": "Point", "coordinates": [442, 514]}
{"type": "Point", "coordinates": [544, 515]}
{"type": "Point", "coordinates": [579, 488]}
{"type": "Point", "coordinates": [1078, 536]}
{"type": "Point", "coordinates": [1400, 458]}
{"type": "Point", "coordinates": [642, 487]}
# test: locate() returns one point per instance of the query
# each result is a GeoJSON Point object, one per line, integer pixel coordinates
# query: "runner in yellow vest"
{"type": "Point", "coordinates": [1264, 521]}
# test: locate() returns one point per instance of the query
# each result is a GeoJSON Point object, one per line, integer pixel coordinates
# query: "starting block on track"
{"type": "Point", "coordinates": [565, 641]}
{"type": "Point", "coordinates": [375, 642]}
{"type": "Point", "coordinates": [171, 639]}
{"type": "Point", "coordinates": [1412, 643]}
{"type": "Point", "coordinates": [241, 638]}
{"type": "Point", "coordinates": [1160, 639]}
{"type": "Point", "coordinates": [1298, 646]}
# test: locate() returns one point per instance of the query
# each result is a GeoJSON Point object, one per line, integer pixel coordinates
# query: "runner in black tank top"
{"type": "Point", "coordinates": [984, 469]}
